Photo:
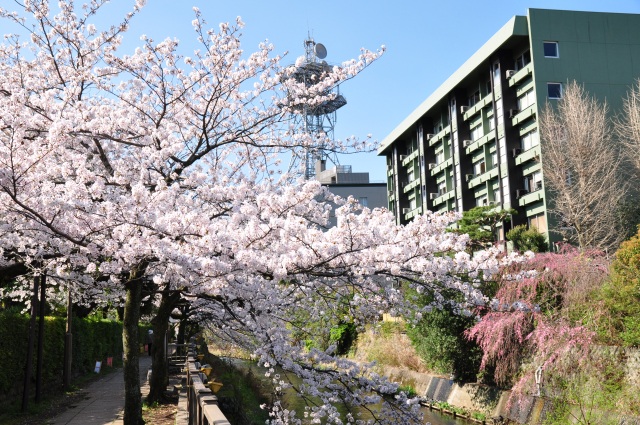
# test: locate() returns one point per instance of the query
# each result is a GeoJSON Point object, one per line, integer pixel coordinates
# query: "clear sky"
{"type": "Point", "coordinates": [426, 41]}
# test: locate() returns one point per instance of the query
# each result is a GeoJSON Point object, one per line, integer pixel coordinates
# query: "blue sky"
{"type": "Point", "coordinates": [426, 41]}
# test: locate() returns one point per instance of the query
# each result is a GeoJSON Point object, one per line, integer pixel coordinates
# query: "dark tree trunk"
{"type": "Point", "coordinates": [181, 330]}
{"type": "Point", "coordinates": [68, 344]}
{"type": "Point", "coordinates": [160, 367]}
{"type": "Point", "coordinates": [183, 324]}
{"type": "Point", "coordinates": [182, 350]}
{"type": "Point", "coordinates": [131, 347]}
{"type": "Point", "coordinates": [10, 272]}
{"type": "Point", "coordinates": [32, 331]}
{"type": "Point", "coordinates": [43, 303]}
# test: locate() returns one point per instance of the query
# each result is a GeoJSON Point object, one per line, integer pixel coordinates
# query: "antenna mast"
{"type": "Point", "coordinates": [317, 121]}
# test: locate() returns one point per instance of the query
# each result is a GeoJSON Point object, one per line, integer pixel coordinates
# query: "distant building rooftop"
{"type": "Point", "coordinates": [340, 174]}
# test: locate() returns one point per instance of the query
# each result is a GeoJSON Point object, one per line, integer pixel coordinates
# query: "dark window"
{"type": "Point", "coordinates": [554, 90]}
{"type": "Point", "coordinates": [474, 98]}
{"type": "Point", "coordinates": [523, 60]}
{"type": "Point", "coordinates": [551, 49]}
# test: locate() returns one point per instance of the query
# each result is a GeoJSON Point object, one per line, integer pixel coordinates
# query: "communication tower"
{"type": "Point", "coordinates": [318, 120]}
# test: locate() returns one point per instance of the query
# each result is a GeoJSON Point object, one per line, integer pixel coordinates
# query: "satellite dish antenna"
{"type": "Point", "coordinates": [320, 51]}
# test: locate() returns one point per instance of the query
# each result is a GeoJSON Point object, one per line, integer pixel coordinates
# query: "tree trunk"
{"type": "Point", "coordinates": [131, 347]}
{"type": "Point", "coordinates": [160, 367]}
{"type": "Point", "coordinates": [68, 344]}
{"type": "Point", "coordinates": [32, 331]}
{"type": "Point", "coordinates": [183, 324]}
{"type": "Point", "coordinates": [43, 305]}
{"type": "Point", "coordinates": [181, 330]}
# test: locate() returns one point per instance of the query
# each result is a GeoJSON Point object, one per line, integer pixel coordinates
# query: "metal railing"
{"type": "Point", "coordinates": [203, 405]}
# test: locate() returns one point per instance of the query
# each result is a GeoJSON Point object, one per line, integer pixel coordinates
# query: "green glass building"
{"type": "Point", "coordinates": [474, 141]}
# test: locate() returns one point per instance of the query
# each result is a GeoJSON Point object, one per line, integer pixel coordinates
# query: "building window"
{"type": "Point", "coordinates": [363, 201]}
{"type": "Point", "coordinates": [533, 182]}
{"type": "Point", "coordinates": [440, 157]}
{"type": "Point", "coordinates": [530, 140]}
{"type": "Point", "coordinates": [526, 100]}
{"type": "Point", "coordinates": [476, 133]}
{"type": "Point", "coordinates": [554, 90]}
{"type": "Point", "coordinates": [494, 159]}
{"type": "Point", "coordinates": [496, 196]}
{"type": "Point", "coordinates": [442, 188]}
{"type": "Point", "coordinates": [481, 202]}
{"type": "Point", "coordinates": [479, 168]}
{"type": "Point", "coordinates": [523, 60]}
{"type": "Point", "coordinates": [411, 147]}
{"type": "Point", "coordinates": [539, 222]}
{"type": "Point", "coordinates": [551, 49]}
{"type": "Point", "coordinates": [474, 98]}
{"type": "Point", "coordinates": [496, 74]}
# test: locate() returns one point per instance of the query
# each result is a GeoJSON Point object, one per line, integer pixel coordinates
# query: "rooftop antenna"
{"type": "Point", "coordinates": [317, 121]}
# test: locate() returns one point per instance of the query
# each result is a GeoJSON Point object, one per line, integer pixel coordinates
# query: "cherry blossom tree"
{"type": "Point", "coordinates": [538, 320]}
{"type": "Point", "coordinates": [156, 170]}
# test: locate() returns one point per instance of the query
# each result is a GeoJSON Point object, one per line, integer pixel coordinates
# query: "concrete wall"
{"type": "Point", "coordinates": [493, 401]}
{"type": "Point", "coordinates": [375, 194]}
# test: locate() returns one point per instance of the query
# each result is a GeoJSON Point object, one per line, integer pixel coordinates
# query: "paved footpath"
{"type": "Point", "coordinates": [104, 401]}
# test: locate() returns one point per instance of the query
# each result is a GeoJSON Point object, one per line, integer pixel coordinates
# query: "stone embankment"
{"type": "Point", "coordinates": [491, 400]}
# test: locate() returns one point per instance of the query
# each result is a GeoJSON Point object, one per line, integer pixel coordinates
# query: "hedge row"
{"type": "Point", "coordinates": [92, 340]}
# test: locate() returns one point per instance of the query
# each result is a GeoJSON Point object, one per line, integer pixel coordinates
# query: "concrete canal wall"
{"type": "Point", "coordinates": [491, 400]}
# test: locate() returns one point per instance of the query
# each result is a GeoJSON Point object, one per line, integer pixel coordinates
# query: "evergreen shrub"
{"type": "Point", "coordinates": [93, 340]}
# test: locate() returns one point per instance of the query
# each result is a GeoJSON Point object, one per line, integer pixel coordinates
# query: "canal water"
{"type": "Point", "coordinates": [292, 401]}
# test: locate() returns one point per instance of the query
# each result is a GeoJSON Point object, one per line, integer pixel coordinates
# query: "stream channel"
{"type": "Point", "coordinates": [291, 399]}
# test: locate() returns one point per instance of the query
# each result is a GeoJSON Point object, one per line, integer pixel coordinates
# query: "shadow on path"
{"type": "Point", "coordinates": [103, 403]}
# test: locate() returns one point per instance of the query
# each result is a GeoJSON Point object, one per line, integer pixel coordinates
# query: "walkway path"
{"type": "Point", "coordinates": [104, 401]}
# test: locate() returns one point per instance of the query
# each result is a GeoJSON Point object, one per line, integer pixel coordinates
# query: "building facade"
{"type": "Point", "coordinates": [475, 140]}
{"type": "Point", "coordinates": [343, 182]}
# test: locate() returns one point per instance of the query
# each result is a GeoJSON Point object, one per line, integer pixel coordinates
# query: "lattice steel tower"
{"type": "Point", "coordinates": [318, 121]}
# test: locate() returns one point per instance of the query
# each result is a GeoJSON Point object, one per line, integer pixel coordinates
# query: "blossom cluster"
{"type": "Point", "coordinates": [158, 169]}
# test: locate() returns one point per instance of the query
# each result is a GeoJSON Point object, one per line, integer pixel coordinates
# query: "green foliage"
{"type": "Point", "coordinates": [311, 331]}
{"type": "Point", "coordinates": [408, 389]}
{"type": "Point", "coordinates": [481, 224]}
{"type": "Point", "coordinates": [387, 329]}
{"type": "Point", "coordinates": [92, 340]}
{"type": "Point", "coordinates": [439, 340]}
{"type": "Point", "coordinates": [13, 343]}
{"type": "Point", "coordinates": [629, 215]}
{"type": "Point", "coordinates": [451, 408]}
{"type": "Point", "coordinates": [621, 295]}
{"type": "Point", "coordinates": [343, 335]}
{"type": "Point", "coordinates": [321, 331]}
{"type": "Point", "coordinates": [242, 392]}
{"type": "Point", "coordinates": [527, 239]}
{"type": "Point", "coordinates": [479, 416]}
{"type": "Point", "coordinates": [588, 396]}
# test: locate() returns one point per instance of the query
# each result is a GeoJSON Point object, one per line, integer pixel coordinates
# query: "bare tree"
{"type": "Point", "coordinates": [582, 169]}
{"type": "Point", "coordinates": [628, 125]}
